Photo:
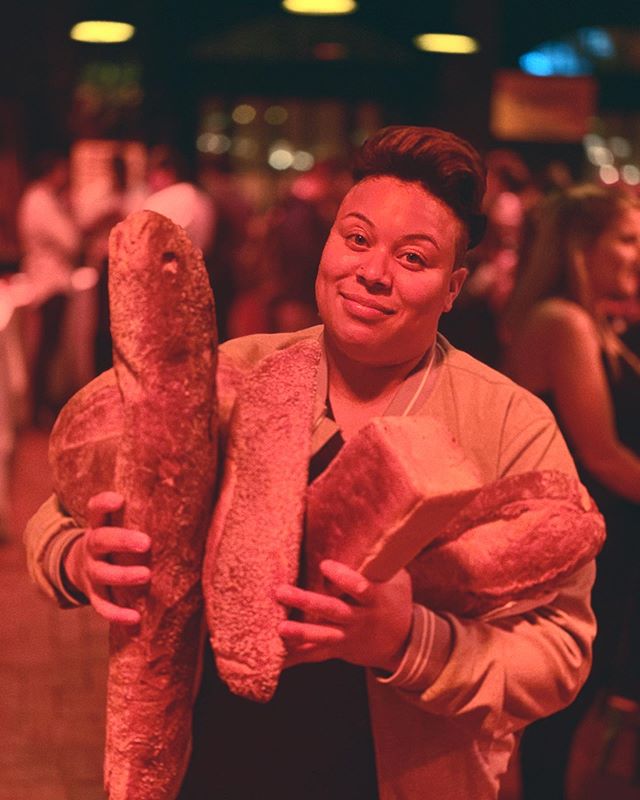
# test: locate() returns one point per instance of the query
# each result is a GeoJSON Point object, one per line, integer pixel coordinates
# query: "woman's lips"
{"type": "Point", "coordinates": [365, 307]}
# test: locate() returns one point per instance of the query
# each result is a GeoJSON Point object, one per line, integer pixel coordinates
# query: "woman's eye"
{"type": "Point", "coordinates": [357, 239]}
{"type": "Point", "coordinates": [414, 259]}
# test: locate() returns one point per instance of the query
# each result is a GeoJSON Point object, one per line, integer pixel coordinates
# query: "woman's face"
{"type": "Point", "coordinates": [387, 271]}
{"type": "Point", "coordinates": [613, 262]}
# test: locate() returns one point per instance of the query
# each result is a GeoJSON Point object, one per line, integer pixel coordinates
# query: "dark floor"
{"type": "Point", "coordinates": [52, 667]}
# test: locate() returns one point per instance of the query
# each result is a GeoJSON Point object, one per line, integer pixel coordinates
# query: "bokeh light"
{"type": "Point", "coordinates": [243, 114]}
{"type": "Point", "coordinates": [100, 31]}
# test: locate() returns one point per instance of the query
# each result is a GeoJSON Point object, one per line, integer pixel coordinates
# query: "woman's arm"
{"type": "Point", "coordinates": [583, 400]}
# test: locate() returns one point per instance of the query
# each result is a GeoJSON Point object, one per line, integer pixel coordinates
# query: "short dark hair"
{"type": "Point", "coordinates": [443, 163]}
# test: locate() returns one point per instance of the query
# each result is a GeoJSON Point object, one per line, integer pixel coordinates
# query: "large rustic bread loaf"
{"type": "Point", "coordinates": [164, 343]}
{"type": "Point", "coordinates": [517, 540]}
{"type": "Point", "coordinates": [254, 542]}
{"type": "Point", "coordinates": [149, 432]}
{"type": "Point", "coordinates": [84, 442]}
{"type": "Point", "coordinates": [400, 494]}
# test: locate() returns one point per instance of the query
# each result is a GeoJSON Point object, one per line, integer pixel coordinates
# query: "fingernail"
{"type": "Point", "coordinates": [143, 543]}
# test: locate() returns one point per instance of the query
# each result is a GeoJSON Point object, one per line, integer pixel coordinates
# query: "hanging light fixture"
{"type": "Point", "coordinates": [320, 7]}
{"type": "Point", "coordinates": [446, 43]}
{"type": "Point", "coordinates": [100, 31]}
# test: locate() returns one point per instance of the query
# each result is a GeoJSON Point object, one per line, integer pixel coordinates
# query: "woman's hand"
{"type": "Point", "coordinates": [91, 563]}
{"type": "Point", "coordinates": [367, 625]}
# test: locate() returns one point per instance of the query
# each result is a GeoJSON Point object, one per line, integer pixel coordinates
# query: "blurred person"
{"type": "Point", "coordinates": [473, 324]}
{"type": "Point", "coordinates": [104, 203]}
{"type": "Point", "coordinates": [383, 697]}
{"type": "Point", "coordinates": [584, 257]}
{"type": "Point", "coordinates": [51, 245]}
{"type": "Point", "coordinates": [234, 219]}
{"type": "Point", "coordinates": [298, 227]}
{"type": "Point", "coordinates": [98, 212]}
{"type": "Point", "coordinates": [174, 195]}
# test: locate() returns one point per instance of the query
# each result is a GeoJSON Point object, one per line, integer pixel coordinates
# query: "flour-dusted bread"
{"type": "Point", "coordinates": [164, 340]}
{"type": "Point", "coordinates": [516, 541]}
{"type": "Point", "coordinates": [391, 489]}
{"type": "Point", "coordinates": [254, 543]}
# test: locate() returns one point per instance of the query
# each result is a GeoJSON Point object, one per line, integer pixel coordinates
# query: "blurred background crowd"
{"type": "Point", "coordinates": [240, 126]}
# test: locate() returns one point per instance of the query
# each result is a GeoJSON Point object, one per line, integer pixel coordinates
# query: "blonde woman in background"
{"type": "Point", "coordinates": [563, 347]}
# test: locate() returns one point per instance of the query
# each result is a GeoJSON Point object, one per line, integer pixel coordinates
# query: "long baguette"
{"type": "Point", "coordinates": [163, 327]}
{"type": "Point", "coordinates": [254, 543]}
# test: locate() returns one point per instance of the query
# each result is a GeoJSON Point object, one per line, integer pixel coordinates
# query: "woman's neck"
{"type": "Point", "coordinates": [358, 391]}
{"type": "Point", "coordinates": [365, 382]}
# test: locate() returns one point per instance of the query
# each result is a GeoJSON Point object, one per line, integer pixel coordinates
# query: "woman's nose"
{"type": "Point", "coordinates": [374, 269]}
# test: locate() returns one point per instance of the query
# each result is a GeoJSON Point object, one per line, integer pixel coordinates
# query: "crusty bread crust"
{"type": "Point", "coordinates": [254, 542]}
{"type": "Point", "coordinates": [84, 443]}
{"type": "Point", "coordinates": [517, 540]}
{"type": "Point", "coordinates": [163, 328]}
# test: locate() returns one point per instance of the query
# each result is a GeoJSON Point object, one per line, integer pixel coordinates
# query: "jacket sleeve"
{"type": "Point", "coordinates": [507, 671]}
{"type": "Point", "coordinates": [509, 668]}
{"type": "Point", "coordinates": [48, 536]}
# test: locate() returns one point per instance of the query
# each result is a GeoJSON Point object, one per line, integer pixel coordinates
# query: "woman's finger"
{"type": "Point", "coordinates": [298, 633]}
{"type": "Point", "coordinates": [307, 654]}
{"type": "Point", "coordinates": [105, 541]}
{"type": "Point", "coordinates": [105, 574]}
{"type": "Point", "coordinates": [319, 606]}
{"type": "Point", "coordinates": [112, 612]}
{"type": "Point", "coordinates": [101, 505]}
{"type": "Point", "coordinates": [347, 580]}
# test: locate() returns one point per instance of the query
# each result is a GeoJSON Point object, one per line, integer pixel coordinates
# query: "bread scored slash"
{"type": "Point", "coordinates": [391, 489]}
{"type": "Point", "coordinates": [163, 328]}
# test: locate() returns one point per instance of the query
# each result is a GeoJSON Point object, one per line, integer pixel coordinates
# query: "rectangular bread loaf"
{"type": "Point", "coordinates": [387, 494]}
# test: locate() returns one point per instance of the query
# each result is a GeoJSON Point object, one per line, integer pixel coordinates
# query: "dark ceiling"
{"type": "Point", "coordinates": [190, 47]}
{"type": "Point", "coordinates": [37, 28]}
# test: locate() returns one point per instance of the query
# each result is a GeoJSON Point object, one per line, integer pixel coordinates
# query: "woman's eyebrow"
{"type": "Point", "coordinates": [406, 238]}
{"type": "Point", "coordinates": [359, 216]}
{"type": "Point", "coordinates": [427, 237]}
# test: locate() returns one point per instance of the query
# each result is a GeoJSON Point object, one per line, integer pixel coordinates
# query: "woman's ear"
{"type": "Point", "coordinates": [456, 280]}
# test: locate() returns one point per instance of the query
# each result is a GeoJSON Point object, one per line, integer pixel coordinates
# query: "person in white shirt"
{"type": "Point", "coordinates": [51, 245]}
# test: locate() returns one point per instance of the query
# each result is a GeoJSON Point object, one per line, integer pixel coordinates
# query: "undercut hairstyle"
{"type": "Point", "coordinates": [445, 165]}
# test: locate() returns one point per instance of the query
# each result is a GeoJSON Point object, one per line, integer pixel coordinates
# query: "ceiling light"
{"type": "Point", "coordinates": [446, 43]}
{"type": "Point", "coordinates": [102, 31]}
{"type": "Point", "coordinates": [319, 6]}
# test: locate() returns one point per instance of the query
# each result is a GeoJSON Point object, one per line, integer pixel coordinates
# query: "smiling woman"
{"type": "Point", "coordinates": [372, 693]}
{"type": "Point", "coordinates": [388, 272]}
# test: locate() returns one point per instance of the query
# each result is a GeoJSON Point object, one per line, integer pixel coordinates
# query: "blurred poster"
{"type": "Point", "coordinates": [530, 108]}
